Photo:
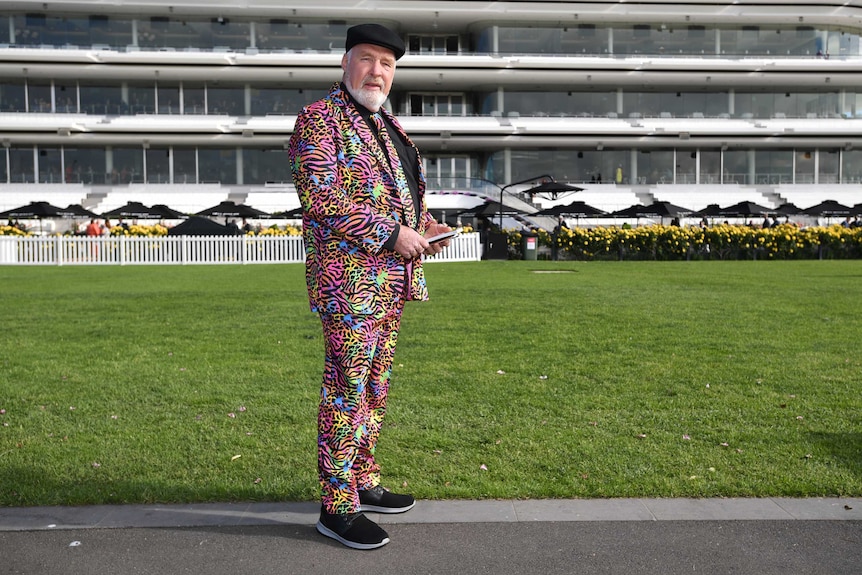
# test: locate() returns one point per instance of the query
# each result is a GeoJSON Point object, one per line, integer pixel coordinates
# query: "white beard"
{"type": "Point", "coordinates": [371, 99]}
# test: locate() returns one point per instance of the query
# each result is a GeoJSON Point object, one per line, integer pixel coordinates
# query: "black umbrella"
{"type": "Point", "coordinates": [200, 226]}
{"type": "Point", "coordinates": [577, 208]}
{"type": "Point", "coordinates": [37, 210]}
{"type": "Point", "coordinates": [489, 208]}
{"type": "Point", "coordinates": [78, 211]}
{"type": "Point", "coordinates": [856, 210]}
{"type": "Point", "coordinates": [293, 214]}
{"type": "Point", "coordinates": [228, 209]}
{"type": "Point", "coordinates": [34, 210]}
{"type": "Point", "coordinates": [746, 209]}
{"type": "Point", "coordinates": [661, 209]}
{"type": "Point", "coordinates": [828, 208]}
{"type": "Point", "coordinates": [665, 209]}
{"type": "Point", "coordinates": [710, 211]}
{"type": "Point", "coordinates": [133, 210]}
{"type": "Point", "coordinates": [788, 209]}
{"type": "Point", "coordinates": [168, 213]}
{"type": "Point", "coordinates": [552, 190]}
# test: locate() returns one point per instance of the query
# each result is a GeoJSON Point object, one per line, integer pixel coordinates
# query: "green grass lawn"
{"type": "Point", "coordinates": [605, 379]}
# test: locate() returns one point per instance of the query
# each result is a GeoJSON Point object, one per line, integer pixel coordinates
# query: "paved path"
{"type": "Point", "coordinates": [626, 536]}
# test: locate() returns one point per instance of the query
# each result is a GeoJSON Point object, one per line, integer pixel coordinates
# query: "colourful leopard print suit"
{"type": "Point", "coordinates": [351, 206]}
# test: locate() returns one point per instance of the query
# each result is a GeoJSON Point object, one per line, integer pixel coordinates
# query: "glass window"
{"type": "Point", "coordinates": [49, 166]}
{"type": "Point", "coordinates": [449, 171]}
{"type": "Point", "coordinates": [12, 96]}
{"type": "Point", "coordinates": [804, 167]}
{"type": "Point", "coordinates": [433, 44]}
{"type": "Point", "coordinates": [530, 40]}
{"type": "Point", "coordinates": [141, 98]}
{"type": "Point", "coordinates": [194, 99]}
{"type": "Point", "coordinates": [21, 164]}
{"type": "Point", "coordinates": [644, 104]}
{"type": "Point", "coordinates": [229, 33]}
{"type": "Point", "coordinates": [805, 41]}
{"type": "Point", "coordinates": [655, 167]}
{"type": "Point", "coordinates": [39, 97]}
{"type": "Point", "coordinates": [710, 166]}
{"type": "Point", "coordinates": [736, 167]}
{"type": "Point", "coordinates": [560, 164]}
{"type": "Point", "coordinates": [686, 167]}
{"type": "Point", "coordinates": [275, 100]}
{"type": "Point", "coordinates": [158, 166]}
{"type": "Point", "coordinates": [185, 166]}
{"type": "Point", "coordinates": [128, 165]}
{"type": "Point", "coordinates": [162, 32]}
{"type": "Point", "coordinates": [4, 167]}
{"type": "Point", "coordinates": [265, 165]}
{"type": "Point", "coordinates": [280, 34]}
{"type": "Point", "coordinates": [30, 29]}
{"type": "Point", "coordinates": [217, 165]}
{"type": "Point", "coordinates": [4, 39]}
{"type": "Point", "coordinates": [774, 166]}
{"type": "Point", "coordinates": [168, 99]}
{"type": "Point", "coordinates": [828, 168]}
{"type": "Point", "coordinates": [560, 103]}
{"type": "Point", "coordinates": [229, 101]}
{"type": "Point", "coordinates": [851, 166]}
{"type": "Point", "coordinates": [112, 32]}
{"type": "Point", "coordinates": [101, 99]}
{"type": "Point", "coordinates": [66, 98]}
{"type": "Point", "coordinates": [85, 165]}
{"type": "Point", "coordinates": [587, 168]}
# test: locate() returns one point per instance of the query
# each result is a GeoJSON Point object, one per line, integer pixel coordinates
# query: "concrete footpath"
{"type": "Point", "coordinates": [626, 536]}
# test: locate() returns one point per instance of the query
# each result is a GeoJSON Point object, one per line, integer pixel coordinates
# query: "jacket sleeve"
{"type": "Point", "coordinates": [327, 183]}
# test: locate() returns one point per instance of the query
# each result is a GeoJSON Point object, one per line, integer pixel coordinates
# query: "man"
{"type": "Point", "coordinates": [362, 189]}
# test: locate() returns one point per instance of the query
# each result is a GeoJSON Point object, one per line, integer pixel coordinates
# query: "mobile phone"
{"type": "Point", "coordinates": [443, 236]}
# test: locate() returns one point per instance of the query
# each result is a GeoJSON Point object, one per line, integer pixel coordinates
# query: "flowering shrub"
{"type": "Point", "coordinates": [276, 231]}
{"type": "Point", "coordinates": [12, 231]}
{"type": "Point", "coordinates": [659, 242]}
{"type": "Point", "coordinates": [138, 230]}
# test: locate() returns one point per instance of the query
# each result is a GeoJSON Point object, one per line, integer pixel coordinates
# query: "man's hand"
{"type": "Point", "coordinates": [433, 230]}
{"type": "Point", "coordinates": [410, 245]}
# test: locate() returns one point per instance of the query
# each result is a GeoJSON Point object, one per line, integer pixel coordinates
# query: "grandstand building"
{"type": "Point", "coordinates": [191, 102]}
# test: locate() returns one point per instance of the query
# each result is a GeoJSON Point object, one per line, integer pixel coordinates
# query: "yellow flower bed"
{"type": "Point", "coordinates": [12, 231]}
{"type": "Point", "coordinates": [660, 242]}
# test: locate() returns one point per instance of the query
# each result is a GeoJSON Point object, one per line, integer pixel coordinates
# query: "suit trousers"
{"type": "Point", "coordinates": [357, 371]}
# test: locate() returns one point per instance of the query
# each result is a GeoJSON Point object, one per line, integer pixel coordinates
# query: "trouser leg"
{"type": "Point", "coordinates": [357, 370]}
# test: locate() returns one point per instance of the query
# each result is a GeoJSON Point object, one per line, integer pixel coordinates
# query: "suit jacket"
{"type": "Point", "coordinates": [350, 207]}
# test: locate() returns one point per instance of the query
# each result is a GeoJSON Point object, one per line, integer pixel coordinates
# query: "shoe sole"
{"type": "Point", "coordinates": [324, 530]}
{"type": "Point", "coordinates": [381, 509]}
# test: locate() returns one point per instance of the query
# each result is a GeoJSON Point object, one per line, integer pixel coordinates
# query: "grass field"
{"type": "Point", "coordinates": [516, 380]}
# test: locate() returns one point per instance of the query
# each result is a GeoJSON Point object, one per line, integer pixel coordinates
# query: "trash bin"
{"type": "Point", "coordinates": [530, 245]}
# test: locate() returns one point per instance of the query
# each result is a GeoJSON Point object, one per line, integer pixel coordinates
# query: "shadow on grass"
{"type": "Point", "coordinates": [845, 448]}
{"type": "Point", "coordinates": [35, 486]}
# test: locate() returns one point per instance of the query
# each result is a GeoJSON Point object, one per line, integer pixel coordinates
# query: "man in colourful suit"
{"type": "Point", "coordinates": [362, 189]}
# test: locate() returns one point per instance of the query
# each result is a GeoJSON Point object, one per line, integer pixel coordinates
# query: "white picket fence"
{"type": "Point", "coordinates": [183, 250]}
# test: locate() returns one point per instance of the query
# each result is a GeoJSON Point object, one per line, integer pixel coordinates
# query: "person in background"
{"type": "Point", "coordinates": [94, 229]}
{"type": "Point", "coordinates": [361, 185]}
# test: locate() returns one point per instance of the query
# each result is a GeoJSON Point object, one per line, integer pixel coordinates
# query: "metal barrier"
{"type": "Point", "coordinates": [183, 250]}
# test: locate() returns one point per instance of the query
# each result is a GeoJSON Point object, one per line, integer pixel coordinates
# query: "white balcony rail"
{"type": "Point", "coordinates": [182, 250]}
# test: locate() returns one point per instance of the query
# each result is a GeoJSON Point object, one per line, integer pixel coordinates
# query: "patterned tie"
{"type": "Point", "coordinates": [397, 170]}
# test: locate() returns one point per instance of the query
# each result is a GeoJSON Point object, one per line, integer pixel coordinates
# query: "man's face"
{"type": "Point", "coordinates": [368, 74]}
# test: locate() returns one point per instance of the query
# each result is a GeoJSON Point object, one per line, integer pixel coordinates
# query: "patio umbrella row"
{"type": "Point", "coordinates": [135, 210]}
{"type": "Point", "coordinates": [828, 208]}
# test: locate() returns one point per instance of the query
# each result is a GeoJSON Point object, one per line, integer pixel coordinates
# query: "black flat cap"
{"type": "Point", "coordinates": [374, 34]}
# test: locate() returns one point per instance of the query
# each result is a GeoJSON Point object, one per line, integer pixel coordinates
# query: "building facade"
{"type": "Point", "coordinates": [185, 102]}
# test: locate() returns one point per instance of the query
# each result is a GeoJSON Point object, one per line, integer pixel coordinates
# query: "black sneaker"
{"type": "Point", "coordinates": [380, 500]}
{"type": "Point", "coordinates": [354, 530]}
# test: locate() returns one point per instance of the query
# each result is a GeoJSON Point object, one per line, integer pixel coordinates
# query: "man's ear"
{"type": "Point", "coordinates": [344, 62]}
